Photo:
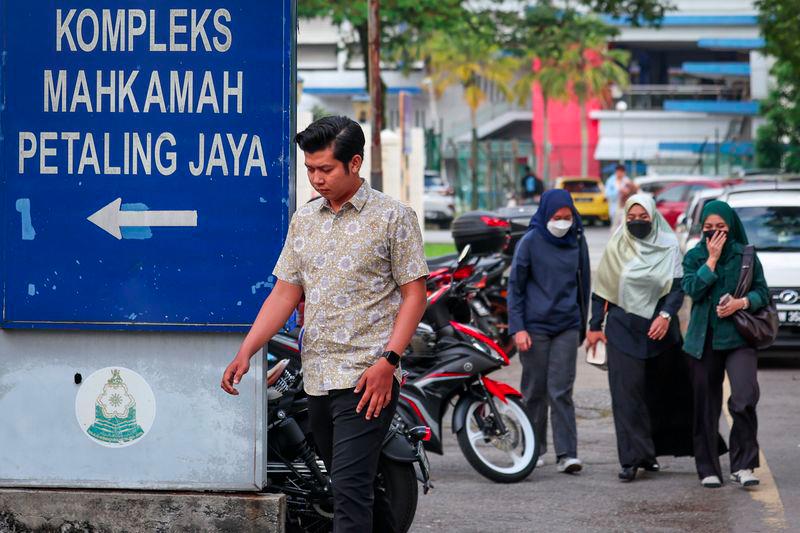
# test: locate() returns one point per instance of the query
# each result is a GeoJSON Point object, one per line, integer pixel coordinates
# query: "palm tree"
{"type": "Point", "coordinates": [592, 68]}
{"type": "Point", "coordinates": [553, 83]}
{"type": "Point", "coordinates": [465, 58]}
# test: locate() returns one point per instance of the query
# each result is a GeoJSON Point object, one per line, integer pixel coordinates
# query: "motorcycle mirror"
{"type": "Point", "coordinates": [464, 255]}
{"type": "Point", "coordinates": [274, 373]}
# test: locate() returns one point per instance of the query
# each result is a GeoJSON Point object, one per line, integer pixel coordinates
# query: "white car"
{"type": "Point", "coordinates": [771, 217]}
{"type": "Point", "coordinates": [439, 200]}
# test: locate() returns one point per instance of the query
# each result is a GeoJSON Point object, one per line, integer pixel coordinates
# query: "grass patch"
{"type": "Point", "coordinates": [436, 249]}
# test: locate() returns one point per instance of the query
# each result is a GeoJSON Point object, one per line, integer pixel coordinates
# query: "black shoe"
{"type": "Point", "coordinates": [628, 473]}
{"type": "Point", "coordinates": [651, 466]}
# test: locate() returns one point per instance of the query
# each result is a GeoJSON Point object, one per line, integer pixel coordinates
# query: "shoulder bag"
{"type": "Point", "coordinates": [759, 328]}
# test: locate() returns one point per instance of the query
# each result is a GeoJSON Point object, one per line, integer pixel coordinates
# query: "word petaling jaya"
{"type": "Point", "coordinates": [118, 91]}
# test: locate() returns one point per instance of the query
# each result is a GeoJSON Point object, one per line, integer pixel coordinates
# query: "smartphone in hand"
{"type": "Point", "coordinates": [725, 298]}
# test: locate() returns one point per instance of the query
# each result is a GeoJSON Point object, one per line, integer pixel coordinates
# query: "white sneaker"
{"type": "Point", "coordinates": [539, 462]}
{"type": "Point", "coordinates": [745, 478]}
{"type": "Point", "coordinates": [711, 482]}
{"type": "Point", "coordinates": [570, 465]}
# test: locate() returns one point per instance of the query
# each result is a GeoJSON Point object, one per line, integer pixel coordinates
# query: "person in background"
{"type": "Point", "coordinates": [638, 294]}
{"type": "Point", "coordinates": [715, 346]}
{"type": "Point", "coordinates": [532, 186]}
{"type": "Point", "coordinates": [618, 188]}
{"type": "Point", "coordinates": [548, 299]}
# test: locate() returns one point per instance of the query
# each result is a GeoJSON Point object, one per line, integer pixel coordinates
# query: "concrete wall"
{"type": "Point", "coordinates": [201, 438]}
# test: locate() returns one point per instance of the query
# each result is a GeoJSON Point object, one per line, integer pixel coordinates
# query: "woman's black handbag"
{"type": "Point", "coordinates": [759, 328]}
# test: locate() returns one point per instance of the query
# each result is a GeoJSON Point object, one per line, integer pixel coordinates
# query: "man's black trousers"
{"type": "Point", "coordinates": [350, 446]}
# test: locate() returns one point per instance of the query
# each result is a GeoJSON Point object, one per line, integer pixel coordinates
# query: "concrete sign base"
{"type": "Point", "coordinates": [45, 510]}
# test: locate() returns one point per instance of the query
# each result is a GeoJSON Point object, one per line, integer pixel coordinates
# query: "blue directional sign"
{"type": "Point", "coordinates": [146, 155]}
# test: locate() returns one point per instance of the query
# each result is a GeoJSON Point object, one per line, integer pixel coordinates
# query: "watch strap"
{"type": "Point", "coordinates": [392, 357]}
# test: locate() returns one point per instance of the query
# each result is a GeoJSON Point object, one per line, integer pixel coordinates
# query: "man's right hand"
{"type": "Point", "coordinates": [523, 341]}
{"type": "Point", "coordinates": [233, 374]}
{"type": "Point", "coordinates": [592, 338]}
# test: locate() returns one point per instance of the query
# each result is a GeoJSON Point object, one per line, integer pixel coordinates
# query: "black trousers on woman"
{"type": "Point", "coordinates": [652, 404]}
{"type": "Point", "coordinates": [627, 381]}
{"type": "Point", "coordinates": [708, 374]}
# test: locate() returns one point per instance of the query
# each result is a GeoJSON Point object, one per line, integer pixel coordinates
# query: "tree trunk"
{"type": "Point", "coordinates": [473, 159]}
{"type": "Point", "coordinates": [363, 43]}
{"type": "Point", "coordinates": [375, 94]}
{"type": "Point", "coordinates": [546, 143]}
{"type": "Point", "coordinates": [584, 138]}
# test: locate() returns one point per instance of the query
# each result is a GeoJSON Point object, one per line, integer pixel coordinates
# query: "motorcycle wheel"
{"type": "Point", "coordinates": [399, 480]}
{"type": "Point", "coordinates": [505, 458]}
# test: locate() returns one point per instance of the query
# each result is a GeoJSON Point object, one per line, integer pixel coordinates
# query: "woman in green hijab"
{"type": "Point", "coordinates": [711, 273]}
{"type": "Point", "coordinates": [637, 293]}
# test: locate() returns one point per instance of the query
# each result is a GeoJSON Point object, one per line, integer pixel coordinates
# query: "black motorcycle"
{"type": "Point", "coordinates": [449, 362]}
{"type": "Point", "coordinates": [295, 469]}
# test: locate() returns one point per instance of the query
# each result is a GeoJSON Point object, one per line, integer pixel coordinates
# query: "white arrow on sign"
{"type": "Point", "coordinates": [110, 218]}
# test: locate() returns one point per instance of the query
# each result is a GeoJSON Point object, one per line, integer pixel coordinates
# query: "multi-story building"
{"type": "Point", "coordinates": [696, 82]}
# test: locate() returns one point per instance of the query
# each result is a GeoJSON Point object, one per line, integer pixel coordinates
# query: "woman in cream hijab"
{"type": "Point", "coordinates": [637, 294]}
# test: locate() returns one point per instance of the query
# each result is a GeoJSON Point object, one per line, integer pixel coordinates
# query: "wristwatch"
{"type": "Point", "coordinates": [666, 316]}
{"type": "Point", "coordinates": [392, 357]}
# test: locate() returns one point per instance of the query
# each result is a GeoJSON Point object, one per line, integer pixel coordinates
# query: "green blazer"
{"type": "Point", "coordinates": [705, 288]}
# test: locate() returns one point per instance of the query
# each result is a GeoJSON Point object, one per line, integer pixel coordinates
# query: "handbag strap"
{"type": "Point", "coordinates": [746, 274]}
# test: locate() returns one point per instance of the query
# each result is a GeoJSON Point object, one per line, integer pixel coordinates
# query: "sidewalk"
{"type": "Point", "coordinates": [594, 500]}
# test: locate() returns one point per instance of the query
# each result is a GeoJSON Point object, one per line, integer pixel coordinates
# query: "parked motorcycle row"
{"type": "Point", "coordinates": [462, 339]}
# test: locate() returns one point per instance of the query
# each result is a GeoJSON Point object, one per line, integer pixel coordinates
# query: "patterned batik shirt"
{"type": "Point", "coordinates": [351, 265]}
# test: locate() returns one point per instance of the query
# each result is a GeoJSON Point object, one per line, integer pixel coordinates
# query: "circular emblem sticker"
{"type": "Point", "coordinates": [115, 407]}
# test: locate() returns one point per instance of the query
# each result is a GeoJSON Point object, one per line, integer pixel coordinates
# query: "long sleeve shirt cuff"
{"type": "Point", "coordinates": [706, 275]}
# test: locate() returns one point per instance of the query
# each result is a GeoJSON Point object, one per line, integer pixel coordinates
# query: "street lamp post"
{"type": "Point", "coordinates": [622, 107]}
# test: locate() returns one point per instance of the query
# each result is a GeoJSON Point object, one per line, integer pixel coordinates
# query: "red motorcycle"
{"type": "Point", "coordinates": [449, 362]}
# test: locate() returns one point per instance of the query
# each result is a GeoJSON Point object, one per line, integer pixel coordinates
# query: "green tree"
{"type": "Point", "coordinates": [592, 68]}
{"type": "Point", "coordinates": [465, 58]}
{"type": "Point", "coordinates": [555, 40]}
{"type": "Point", "coordinates": [778, 140]}
{"type": "Point", "coordinates": [405, 25]}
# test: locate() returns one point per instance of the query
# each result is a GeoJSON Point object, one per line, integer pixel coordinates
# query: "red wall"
{"type": "Point", "coordinates": [565, 136]}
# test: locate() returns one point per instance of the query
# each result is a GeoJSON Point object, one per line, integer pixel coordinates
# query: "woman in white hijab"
{"type": "Point", "coordinates": [637, 294]}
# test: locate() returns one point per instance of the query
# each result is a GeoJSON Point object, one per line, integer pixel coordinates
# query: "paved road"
{"type": "Point", "coordinates": [595, 501]}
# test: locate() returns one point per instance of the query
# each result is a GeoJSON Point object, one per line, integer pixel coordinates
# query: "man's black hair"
{"type": "Point", "coordinates": [344, 135]}
{"type": "Point", "coordinates": [527, 170]}
{"type": "Point", "coordinates": [620, 167]}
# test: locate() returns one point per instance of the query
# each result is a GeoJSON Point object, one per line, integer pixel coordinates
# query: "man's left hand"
{"type": "Point", "coordinates": [376, 382]}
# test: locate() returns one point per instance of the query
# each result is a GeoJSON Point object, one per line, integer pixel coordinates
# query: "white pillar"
{"type": "Point", "coordinates": [392, 165]}
{"type": "Point", "coordinates": [303, 190]}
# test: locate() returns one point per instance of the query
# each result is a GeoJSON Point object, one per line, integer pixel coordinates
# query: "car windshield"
{"type": "Point", "coordinates": [775, 228]}
{"type": "Point", "coordinates": [578, 186]}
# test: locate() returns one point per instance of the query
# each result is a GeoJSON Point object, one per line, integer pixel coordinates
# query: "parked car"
{"type": "Point", "coordinates": [653, 185]}
{"type": "Point", "coordinates": [438, 200]}
{"type": "Point", "coordinates": [588, 195]}
{"type": "Point", "coordinates": [673, 200]}
{"type": "Point", "coordinates": [771, 217]}
{"type": "Point", "coordinates": [689, 227]}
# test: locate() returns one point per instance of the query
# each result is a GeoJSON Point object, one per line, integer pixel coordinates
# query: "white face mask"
{"type": "Point", "coordinates": [559, 228]}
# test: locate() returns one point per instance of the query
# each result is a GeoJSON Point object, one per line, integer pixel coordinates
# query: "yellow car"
{"type": "Point", "coordinates": [589, 197]}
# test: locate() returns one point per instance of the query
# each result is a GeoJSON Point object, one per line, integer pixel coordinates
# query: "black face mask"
{"type": "Point", "coordinates": [640, 228]}
{"type": "Point", "coordinates": [710, 234]}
